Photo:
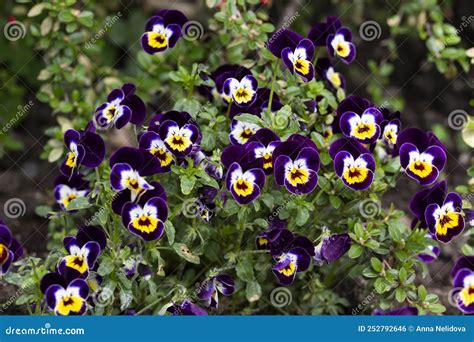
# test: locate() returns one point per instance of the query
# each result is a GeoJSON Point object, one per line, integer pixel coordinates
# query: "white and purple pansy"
{"type": "Point", "coordinates": [445, 221]}
{"type": "Point", "coordinates": [85, 148]}
{"type": "Point", "coordinates": [296, 164]}
{"type": "Point", "coordinates": [263, 143]}
{"type": "Point", "coordinates": [10, 249]}
{"type": "Point", "coordinates": [320, 31]}
{"type": "Point", "coordinates": [299, 60]}
{"type": "Point", "coordinates": [340, 45]}
{"type": "Point", "coordinates": [163, 31]}
{"type": "Point", "coordinates": [243, 92]}
{"type": "Point", "coordinates": [151, 142]}
{"type": "Point", "coordinates": [390, 132]}
{"type": "Point", "coordinates": [365, 127]}
{"type": "Point", "coordinates": [423, 198]}
{"type": "Point", "coordinates": [245, 178]}
{"type": "Point", "coordinates": [241, 132]}
{"type": "Point", "coordinates": [209, 290]}
{"type": "Point", "coordinates": [69, 188]}
{"type": "Point", "coordinates": [80, 258]}
{"type": "Point", "coordinates": [422, 155]}
{"type": "Point", "coordinates": [145, 221]}
{"type": "Point", "coordinates": [71, 300]}
{"type": "Point", "coordinates": [463, 283]}
{"type": "Point", "coordinates": [326, 71]}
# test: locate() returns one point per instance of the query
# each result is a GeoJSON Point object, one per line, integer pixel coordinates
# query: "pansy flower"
{"type": "Point", "coordinates": [70, 300]}
{"type": "Point", "coordinates": [423, 198]}
{"type": "Point", "coordinates": [326, 72]}
{"type": "Point", "coordinates": [296, 164]}
{"type": "Point", "coordinates": [261, 104]}
{"type": "Point", "coordinates": [122, 107]}
{"type": "Point", "coordinates": [243, 92]}
{"type": "Point", "coordinates": [163, 31]}
{"type": "Point", "coordinates": [241, 132]}
{"type": "Point", "coordinates": [422, 155]}
{"type": "Point", "coordinates": [67, 189]}
{"type": "Point", "coordinates": [85, 148]}
{"type": "Point", "coordinates": [151, 142]}
{"type": "Point", "coordinates": [206, 202]}
{"type": "Point", "coordinates": [445, 221]}
{"type": "Point", "coordinates": [351, 103]}
{"type": "Point", "coordinates": [340, 44]}
{"type": "Point", "coordinates": [178, 131]}
{"type": "Point", "coordinates": [186, 308]}
{"type": "Point", "coordinates": [403, 311]}
{"type": "Point", "coordinates": [365, 127]}
{"type": "Point", "coordinates": [299, 59]}
{"type": "Point", "coordinates": [463, 283]}
{"type": "Point", "coordinates": [146, 221]}
{"type": "Point", "coordinates": [10, 249]}
{"type": "Point", "coordinates": [209, 290]}
{"type": "Point", "coordinates": [391, 126]}
{"type": "Point", "coordinates": [245, 178]}
{"type": "Point", "coordinates": [332, 247]}
{"type": "Point", "coordinates": [262, 144]}
{"type": "Point", "coordinates": [433, 249]}
{"type": "Point", "coordinates": [320, 31]}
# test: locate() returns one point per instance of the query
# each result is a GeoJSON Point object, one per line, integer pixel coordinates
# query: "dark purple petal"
{"type": "Point", "coordinates": [463, 262]}
{"type": "Point", "coordinates": [335, 246]}
{"type": "Point", "coordinates": [124, 117]}
{"type": "Point", "coordinates": [128, 155]}
{"type": "Point", "coordinates": [94, 149]}
{"type": "Point", "coordinates": [94, 251]}
{"type": "Point", "coordinates": [281, 39]}
{"type": "Point", "coordinates": [404, 311]}
{"type": "Point", "coordinates": [115, 94]}
{"type": "Point", "coordinates": [91, 233]}
{"type": "Point", "coordinates": [5, 235]}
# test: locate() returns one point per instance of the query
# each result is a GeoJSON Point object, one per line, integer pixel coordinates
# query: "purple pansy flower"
{"type": "Point", "coordinates": [340, 44]}
{"type": "Point", "coordinates": [156, 147]}
{"type": "Point", "coordinates": [220, 75]}
{"type": "Point", "coordinates": [445, 221]}
{"type": "Point", "coordinates": [146, 221]}
{"type": "Point", "coordinates": [67, 189]}
{"type": "Point", "coordinates": [463, 283]}
{"type": "Point", "coordinates": [391, 126]}
{"type": "Point", "coordinates": [365, 127]}
{"type": "Point", "coordinates": [243, 91]}
{"type": "Point", "coordinates": [422, 155]}
{"type": "Point", "coordinates": [10, 249]}
{"type": "Point", "coordinates": [296, 164]}
{"type": "Point", "coordinates": [262, 144]}
{"type": "Point", "coordinates": [209, 290]}
{"type": "Point", "coordinates": [423, 198]}
{"type": "Point", "coordinates": [326, 71]}
{"type": "Point", "coordinates": [186, 308]}
{"type": "Point", "coordinates": [85, 148]}
{"type": "Point", "coordinates": [70, 300]}
{"type": "Point", "coordinates": [353, 163]}
{"type": "Point", "coordinates": [432, 248]}
{"type": "Point", "coordinates": [351, 103]}
{"type": "Point", "coordinates": [403, 311]}
{"type": "Point", "coordinates": [163, 31]}
{"type": "Point", "coordinates": [241, 132]}
{"type": "Point", "coordinates": [332, 247]}
{"type": "Point", "coordinates": [320, 31]}
{"type": "Point", "coordinates": [245, 178]}
{"type": "Point", "coordinates": [261, 104]}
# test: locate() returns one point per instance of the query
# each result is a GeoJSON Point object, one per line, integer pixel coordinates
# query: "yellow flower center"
{"type": "Point", "coordinates": [3, 253]}
{"type": "Point", "coordinates": [162, 155]}
{"type": "Point", "coordinates": [67, 200]}
{"type": "Point", "coordinates": [354, 174]}
{"type": "Point", "coordinates": [178, 142]}
{"type": "Point", "coordinates": [132, 185]}
{"type": "Point", "coordinates": [391, 137]}
{"type": "Point", "coordinates": [288, 270]}
{"type": "Point", "coordinates": [420, 168]}
{"type": "Point", "coordinates": [110, 112]}
{"type": "Point", "coordinates": [242, 95]}
{"type": "Point", "coordinates": [467, 295]}
{"type": "Point", "coordinates": [77, 262]}
{"type": "Point", "coordinates": [71, 160]}
{"type": "Point", "coordinates": [297, 176]}
{"type": "Point", "coordinates": [243, 187]}
{"type": "Point", "coordinates": [447, 221]}
{"type": "Point", "coordinates": [302, 66]}
{"type": "Point", "coordinates": [343, 49]}
{"type": "Point", "coordinates": [246, 134]}
{"type": "Point", "coordinates": [364, 131]}
{"type": "Point", "coordinates": [335, 79]}
{"type": "Point", "coordinates": [157, 40]}
{"type": "Point", "coordinates": [69, 304]}
{"type": "Point", "coordinates": [145, 223]}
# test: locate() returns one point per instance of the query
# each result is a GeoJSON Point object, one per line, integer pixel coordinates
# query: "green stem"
{"type": "Point", "coordinates": [272, 88]}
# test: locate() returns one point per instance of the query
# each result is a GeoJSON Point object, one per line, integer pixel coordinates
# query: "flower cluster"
{"type": "Point", "coordinates": [10, 249]}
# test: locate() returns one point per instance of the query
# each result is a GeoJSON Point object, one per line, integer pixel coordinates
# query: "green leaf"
{"type": "Point", "coordinates": [422, 293]}
{"type": "Point", "coordinates": [106, 266]}
{"type": "Point", "coordinates": [43, 210]}
{"type": "Point", "coordinates": [335, 201]}
{"type": "Point", "coordinates": [66, 16]}
{"type": "Point", "coordinates": [400, 295]}
{"type": "Point", "coordinates": [187, 184]}
{"type": "Point", "coordinates": [79, 203]}
{"type": "Point", "coordinates": [355, 251]}
{"type": "Point", "coordinates": [170, 232]}
{"type": "Point", "coordinates": [244, 270]}
{"type": "Point", "coordinates": [250, 118]}
{"type": "Point", "coordinates": [376, 264]}
{"type": "Point", "coordinates": [253, 291]}
{"type": "Point", "coordinates": [183, 251]}
{"type": "Point", "coordinates": [302, 216]}
{"type": "Point", "coordinates": [437, 308]}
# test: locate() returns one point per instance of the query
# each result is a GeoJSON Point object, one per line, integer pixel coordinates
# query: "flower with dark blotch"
{"type": "Point", "coordinates": [403, 311]}
{"type": "Point", "coordinates": [340, 44]}
{"type": "Point", "coordinates": [152, 142]}
{"type": "Point", "coordinates": [122, 107]}
{"type": "Point", "coordinates": [243, 92]}
{"type": "Point", "coordinates": [351, 103]}
{"type": "Point", "coordinates": [422, 155]}
{"type": "Point", "coordinates": [241, 132]}
{"type": "Point", "coordinates": [85, 148]}
{"type": "Point", "coordinates": [146, 221]}
{"type": "Point", "coordinates": [332, 247]}
{"type": "Point", "coordinates": [463, 283]}
{"type": "Point", "coordinates": [365, 127]}
{"type": "Point", "coordinates": [124, 196]}
{"type": "Point", "coordinates": [445, 221]}
{"type": "Point", "coordinates": [326, 71]}
{"type": "Point", "coordinates": [423, 198]}
{"type": "Point", "coordinates": [163, 31]}
{"type": "Point", "coordinates": [260, 105]}
{"type": "Point", "coordinates": [262, 144]}
{"type": "Point", "coordinates": [433, 251]}
{"type": "Point", "coordinates": [186, 308]}
{"type": "Point", "coordinates": [391, 126]}
{"type": "Point", "coordinates": [10, 249]}
{"type": "Point", "coordinates": [299, 60]}
{"type": "Point", "coordinates": [320, 31]}
{"type": "Point", "coordinates": [206, 202]}
{"type": "Point", "coordinates": [296, 164]}
{"type": "Point", "coordinates": [282, 39]}
{"type": "Point", "coordinates": [353, 163]}
{"type": "Point", "coordinates": [245, 177]}
{"type": "Point", "coordinates": [70, 300]}
{"type": "Point", "coordinates": [67, 189]}
{"type": "Point", "coordinates": [209, 290]}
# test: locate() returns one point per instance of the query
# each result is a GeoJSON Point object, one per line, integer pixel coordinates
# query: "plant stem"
{"type": "Point", "coordinates": [272, 88]}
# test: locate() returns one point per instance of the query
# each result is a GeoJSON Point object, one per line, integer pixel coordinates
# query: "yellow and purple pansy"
{"type": "Point", "coordinates": [163, 31]}
{"type": "Point", "coordinates": [122, 107]}
{"type": "Point", "coordinates": [422, 155]}
{"type": "Point", "coordinates": [245, 177]}
{"type": "Point", "coordinates": [85, 148]}
{"type": "Point", "coordinates": [391, 126]}
{"type": "Point", "coordinates": [365, 127]}
{"type": "Point", "coordinates": [241, 132]}
{"type": "Point", "coordinates": [445, 221]}
{"type": "Point", "coordinates": [340, 44]}
{"type": "Point", "coordinates": [69, 188]}
{"type": "Point", "coordinates": [70, 300]}
{"type": "Point", "coordinates": [209, 290]}
{"type": "Point", "coordinates": [10, 249]}
{"type": "Point", "coordinates": [299, 60]}
{"type": "Point", "coordinates": [156, 147]}
{"type": "Point", "coordinates": [319, 32]}
{"type": "Point", "coordinates": [81, 258]}
{"type": "Point", "coordinates": [262, 144]}
{"type": "Point", "coordinates": [463, 283]}
{"type": "Point", "coordinates": [243, 91]}
{"type": "Point", "coordinates": [260, 105]}
{"type": "Point", "coordinates": [147, 221]}
{"type": "Point", "coordinates": [353, 163]}
{"type": "Point", "coordinates": [296, 164]}
{"type": "Point", "coordinates": [326, 72]}
{"type": "Point", "coordinates": [351, 103]}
